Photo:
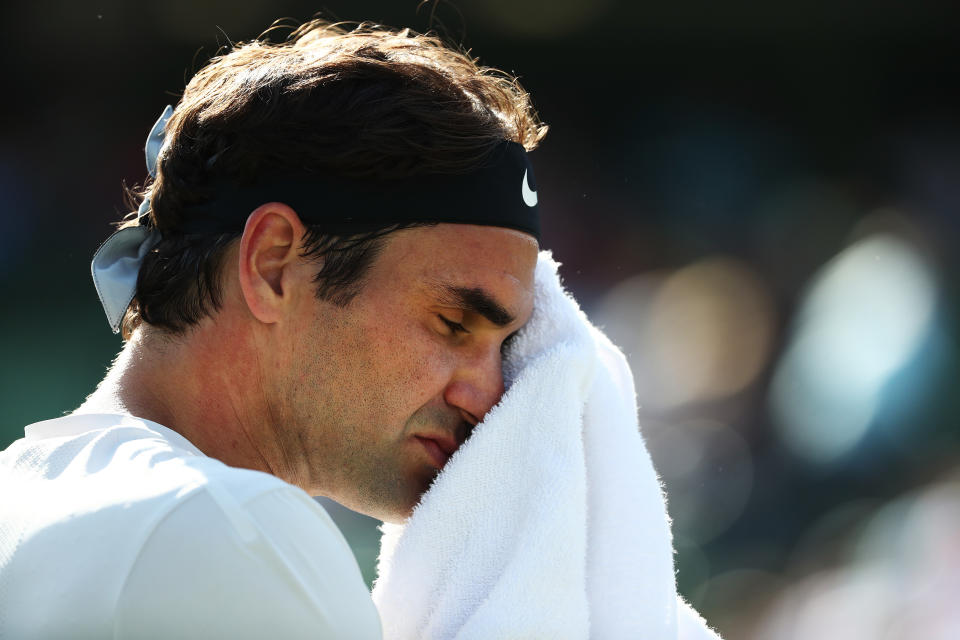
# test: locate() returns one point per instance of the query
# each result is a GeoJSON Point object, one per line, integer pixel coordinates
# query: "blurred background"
{"type": "Point", "coordinates": [759, 202]}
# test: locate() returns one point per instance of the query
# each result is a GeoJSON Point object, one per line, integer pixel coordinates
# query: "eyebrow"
{"type": "Point", "coordinates": [475, 300]}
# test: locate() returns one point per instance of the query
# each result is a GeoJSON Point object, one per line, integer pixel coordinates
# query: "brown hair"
{"type": "Point", "coordinates": [366, 101]}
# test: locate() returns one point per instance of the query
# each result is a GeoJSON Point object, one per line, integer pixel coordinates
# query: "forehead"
{"type": "Point", "coordinates": [498, 260]}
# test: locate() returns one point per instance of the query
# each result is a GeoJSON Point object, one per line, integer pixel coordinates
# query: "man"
{"type": "Point", "coordinates": [338, 242]}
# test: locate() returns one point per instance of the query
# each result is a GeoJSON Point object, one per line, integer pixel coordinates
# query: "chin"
{"type": "Point", "coordinates": [396, 519]}
{"type": "Point", "coordinates": [392, 502]}
{"type": "Point", "coordinates": [394, 514]}
{"type": "Point", "coordinates": [385, 514]}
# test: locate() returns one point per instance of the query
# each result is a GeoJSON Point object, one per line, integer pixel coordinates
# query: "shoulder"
{"type": "Point", "coordinates": [241, 553]}
{"type": "Point", "coordinates": [273, 564]}
{"type": "Point", "coordinates": [181, 545]}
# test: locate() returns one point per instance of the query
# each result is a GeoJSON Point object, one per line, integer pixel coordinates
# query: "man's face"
{"type": "Point", "coordinates": [383, 390]}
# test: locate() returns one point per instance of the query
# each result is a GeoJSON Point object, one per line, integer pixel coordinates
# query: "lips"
{"type": "Point", "coordinates": [439, 448]}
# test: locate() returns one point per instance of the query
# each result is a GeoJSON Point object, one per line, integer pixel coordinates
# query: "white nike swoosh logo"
{"type": "Point", "coordinates": [529, 195]}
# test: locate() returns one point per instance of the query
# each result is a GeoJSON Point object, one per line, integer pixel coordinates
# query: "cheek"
{"type": "Point", "coordinates": [413, 364]}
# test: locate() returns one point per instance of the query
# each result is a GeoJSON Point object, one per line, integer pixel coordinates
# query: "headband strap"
{"type": "Point", "coordinates": [501, 193]}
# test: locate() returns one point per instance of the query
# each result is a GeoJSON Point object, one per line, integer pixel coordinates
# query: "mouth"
{"type": "Point", "coordinates": [438, 449]}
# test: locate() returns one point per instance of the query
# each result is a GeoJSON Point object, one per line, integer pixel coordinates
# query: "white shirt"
{"type": "Point", "coordinates": [113, 526]}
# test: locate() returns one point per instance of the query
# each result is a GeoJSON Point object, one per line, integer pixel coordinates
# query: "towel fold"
{"type": "Point", "coordinates": [549, 522]}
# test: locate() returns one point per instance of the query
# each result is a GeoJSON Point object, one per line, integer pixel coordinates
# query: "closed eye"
{"type": "Point", "coordinates": [455, 327]}
{"type": "Point", "coordinates": [508, 342]}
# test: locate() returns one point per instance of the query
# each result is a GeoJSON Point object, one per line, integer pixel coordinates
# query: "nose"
{"type": "Point", "coordinates": [476, 385]}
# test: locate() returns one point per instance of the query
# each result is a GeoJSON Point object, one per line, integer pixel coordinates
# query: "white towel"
{"type": "Point", "coordinates": [549, 521]}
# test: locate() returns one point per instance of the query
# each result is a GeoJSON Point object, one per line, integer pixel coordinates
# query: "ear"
{"type": "Point", "coordinates": [271, 270]}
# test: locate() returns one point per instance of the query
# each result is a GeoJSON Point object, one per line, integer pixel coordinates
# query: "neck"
{"type": "Point", "coordinates": [204, 385]}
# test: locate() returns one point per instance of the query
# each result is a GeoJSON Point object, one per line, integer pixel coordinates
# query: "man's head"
{"type": "Point", "coordinates": [370, 103]}
{"type": "Point", "coordinates": [373, 348]}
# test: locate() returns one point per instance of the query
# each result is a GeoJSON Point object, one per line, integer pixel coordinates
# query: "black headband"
{"type": "Point", "coordinates": [501, 193]}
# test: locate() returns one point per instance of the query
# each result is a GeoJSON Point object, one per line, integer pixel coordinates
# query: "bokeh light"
{"type": "Point", "coordinates": [864, 316]}
{"type": "Point", "coordinates": [899, 580]}
{"type": "Point", "coordinates": [700, 333]}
